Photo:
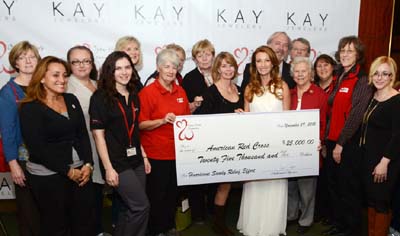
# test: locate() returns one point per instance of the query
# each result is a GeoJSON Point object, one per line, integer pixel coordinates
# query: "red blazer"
{"type": "Point", "coordinates": [313, 98]}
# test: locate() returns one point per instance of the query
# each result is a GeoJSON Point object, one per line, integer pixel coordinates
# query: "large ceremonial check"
{"type": "Point", "coordinates": [246, 146]}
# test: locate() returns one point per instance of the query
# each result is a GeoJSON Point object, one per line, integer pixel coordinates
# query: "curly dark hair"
{"type": "Point", "coordinates": [107, 77]}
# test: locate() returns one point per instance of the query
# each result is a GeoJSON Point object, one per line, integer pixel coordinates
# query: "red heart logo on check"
{"type": "Point", "coordinates": [184, 134]}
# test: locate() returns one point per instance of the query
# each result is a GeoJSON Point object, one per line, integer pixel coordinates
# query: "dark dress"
{"type": "Point", "coordinates": [381, 137]}
{"type": "Point", "coordinates": [215, 103]}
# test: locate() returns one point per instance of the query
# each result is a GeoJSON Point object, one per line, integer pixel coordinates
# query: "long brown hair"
{"type": "Point", "coordinates": [255, 84]}
{"type": "Point", "coordinates": [36, 90]}
{"type": "Point", "coordinates": [107, 77]}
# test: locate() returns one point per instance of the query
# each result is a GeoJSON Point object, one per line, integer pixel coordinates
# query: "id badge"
{"type": "Point", "coordinates": [185, 205]}
{"type": "Point", "coordinates": [130, 151]}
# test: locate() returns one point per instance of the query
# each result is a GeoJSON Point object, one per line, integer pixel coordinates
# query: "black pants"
{"type": "Point", "coordinates": [27, 210]}
{"type": "Point", "coordinates": [396, 207]}
{"type": "Point", "coordinates": [134, 210]}
{"type": "Point", "coordinates": [65, 208]}
{"type": "Point", "coordinates": [98, 206]}
{"type": "Point", "coordinates": [162, 193]}
{"type": "Point", "coordinates": [323, 208]}
{"type": "Point", "coordinates": [345, 187]}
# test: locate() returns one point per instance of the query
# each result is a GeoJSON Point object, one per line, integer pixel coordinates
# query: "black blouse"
{"type": "Point", "coordinates": [50, 136]}
{"type": "Point", "coordinates": [194, 85]}
{"type": "Point", "coordinates": [110, 118]}
{"type": "Point", "coordinates": [214, 102]}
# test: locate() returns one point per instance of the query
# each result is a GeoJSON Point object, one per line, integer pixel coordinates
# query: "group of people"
{"type": "Point", "coordinates": [69, 129]}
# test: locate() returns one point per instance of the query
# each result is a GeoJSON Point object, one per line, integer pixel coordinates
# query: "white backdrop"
{"type": "Point", "coordinates": [237, 26]}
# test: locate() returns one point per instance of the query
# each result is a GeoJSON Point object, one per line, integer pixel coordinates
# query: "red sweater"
{"type": "Point", "coordinates": [313, 98]}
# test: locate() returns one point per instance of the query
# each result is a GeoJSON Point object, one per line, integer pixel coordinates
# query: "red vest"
{"type": "Point", "coordinates": [341, 106]}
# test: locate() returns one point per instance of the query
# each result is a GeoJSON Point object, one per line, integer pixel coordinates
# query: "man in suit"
{"type": "Point", "coordinates": [280, 43]}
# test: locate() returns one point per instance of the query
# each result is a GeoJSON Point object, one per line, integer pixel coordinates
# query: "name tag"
{"type": "Point", "coordinates": [130, 151]}
{"type": "Point", "coordinates": [344, 90]}
{"type": "Point", "coordinates": [179, 100]}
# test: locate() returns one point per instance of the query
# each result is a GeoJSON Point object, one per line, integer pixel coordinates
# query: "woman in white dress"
{"type": "Point", "coordinates": [82, 83]}
{"type": "Point", "coordinates": [263, 208]}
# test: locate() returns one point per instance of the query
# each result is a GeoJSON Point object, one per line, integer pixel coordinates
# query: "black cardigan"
{"type": "Point", "coordinates": [194, 85]}
{"type": "Point", "coordinates": [50, 136]}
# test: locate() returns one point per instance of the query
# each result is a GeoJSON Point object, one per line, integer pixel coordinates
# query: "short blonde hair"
{"type": "Point", "coordinates": [202, 45]}
{"type": "Point", "coordinates": [19, 49]}
{"type": "Point", "coordinates": [177, 48]}
{"type": "Point", "coordinates": [383, 60]}
{"type": "Point", "coordinates": [123, 41]}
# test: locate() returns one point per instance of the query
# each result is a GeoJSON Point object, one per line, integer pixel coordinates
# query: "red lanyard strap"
{"type": "Point", "coordinates": [14, 92]}
{"type": "Point", "coordinates": [128, 130]}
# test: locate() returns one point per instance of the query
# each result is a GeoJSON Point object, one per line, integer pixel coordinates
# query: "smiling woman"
{"type": "Point", "coordinates": [380, 141]}
{"type": "Point", "coordinates": [263, 206]}
{"type": "Point", "coordinates": [306, 95]}
{"type": "Point", "coordinates": [53, 125]}
{"type": "Point", "coordinates": [223, 96]}
{"type": "Point", "coordinates": [161, 102]}
{"type": "Point", "coordinates": [82, 83]}
{"type": "Point", "coordinates": [348, 101]}
{"type": "Point", "coordinates": [114, 110]}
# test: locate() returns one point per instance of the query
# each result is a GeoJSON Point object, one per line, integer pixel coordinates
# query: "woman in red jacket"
{"type": "Point", "coordinates": [348, 102]}
{"type": "Point", "coordinates": [306, 95]}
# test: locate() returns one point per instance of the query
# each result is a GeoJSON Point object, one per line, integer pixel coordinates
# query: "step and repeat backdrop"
{"type": "Point", "coordinates": [236, 26]}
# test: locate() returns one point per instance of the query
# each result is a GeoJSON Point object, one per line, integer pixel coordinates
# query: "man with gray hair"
{"type": "Point", "coordinates": [280, 43]}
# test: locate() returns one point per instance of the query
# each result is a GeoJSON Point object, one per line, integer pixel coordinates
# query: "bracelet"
{"type": "Point", "coordinates": [90, 166]}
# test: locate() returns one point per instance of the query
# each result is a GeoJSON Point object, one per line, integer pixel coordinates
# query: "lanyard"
{"type": "Point", "coordinates": [128, 130]}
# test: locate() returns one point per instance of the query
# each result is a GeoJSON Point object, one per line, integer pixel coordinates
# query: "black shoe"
{"type": "Point", "coordinates": [302, 229]}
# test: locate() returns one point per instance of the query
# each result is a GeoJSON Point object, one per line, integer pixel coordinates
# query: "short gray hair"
{"type": "Point", "coordinates": [298, 60]}
{"type": "Point", "coordinates": [167, 55]}
{"type": "Point", "coordinates": [276, 34]}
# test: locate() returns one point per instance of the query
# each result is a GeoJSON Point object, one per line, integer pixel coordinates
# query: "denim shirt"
{"type": "Point", "coordinates": [10, 130]}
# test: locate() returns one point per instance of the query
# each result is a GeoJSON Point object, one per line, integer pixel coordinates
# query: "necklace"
{"type": "Point", "coordinates": [367, 114]}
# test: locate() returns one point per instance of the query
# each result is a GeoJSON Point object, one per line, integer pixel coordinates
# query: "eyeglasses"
{"type": "Point", "coordinates": [85, 62]}
{"type": "Point", "coordinates": [30, 58]}
{"type": "Point", "coordinates": [383, 74]}
{"type": "Point", "coordinates": [344, 51]}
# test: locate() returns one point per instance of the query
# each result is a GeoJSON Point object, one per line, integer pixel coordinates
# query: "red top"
{"type": "Point", "coordinates": [342, 104]}
{"type": "Point", "coordinates": [155, 103]}
{"type": "Point", "coordinates": [313, 98]}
